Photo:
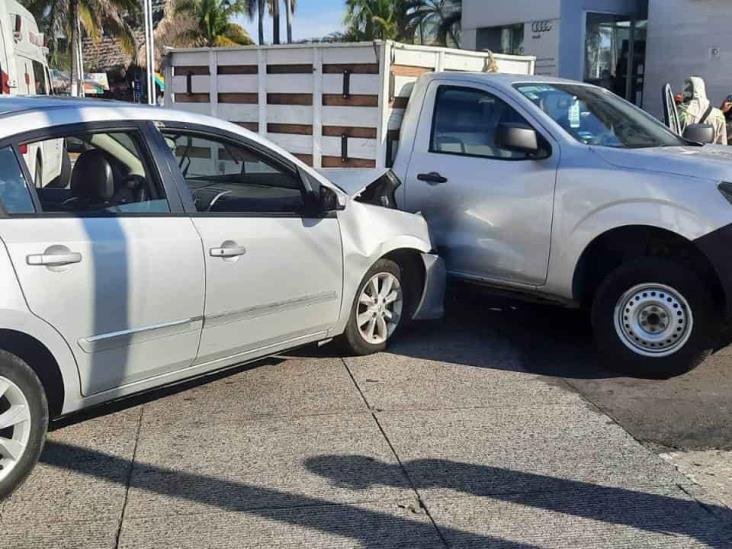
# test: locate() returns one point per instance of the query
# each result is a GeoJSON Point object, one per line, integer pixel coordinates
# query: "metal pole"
{"type": "Point", "coordinates": [150, 52]}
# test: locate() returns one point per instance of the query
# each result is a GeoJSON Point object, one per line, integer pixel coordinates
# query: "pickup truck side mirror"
{"type": "Point", "coordinates": [699, 133]}
{"type": "Point", "coordinates": [517, 137]}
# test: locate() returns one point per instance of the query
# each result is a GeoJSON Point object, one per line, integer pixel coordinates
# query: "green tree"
{"type": "Point", "coordinates": [214, 27]}
{"type": "Point", "coordinates": [373, 19]}
{"type": "Point", "coordinates": [434, 22]}
{"type": "Point", "coordinates": [73, 18]}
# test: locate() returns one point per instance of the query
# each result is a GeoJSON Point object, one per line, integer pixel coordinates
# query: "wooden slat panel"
{"type": "Point", "coordinates": [290, 98]}
{"type": "Point", "coordinates": [349, 131]}
{"type": "Point", "coordinates": [355, 68]}
{"type": "Point", "coordinates": [399, 102]}
{"type": "Point", "coordinates": [251, 126]}
{"type": "Point", "coordinates": [193, 152]}
{"type": "Point", "coordinates": [334, 100]}
{"type": "Point", "coordinates": [298, 129]}
{"type": "Point", "coordinates": [336, 162]}
{"type": "Point", "coordinates": [307, 158]}
{"type": "Point", "coordinates": [289, 69]}
{"type": "Point", "coordinates": [242, 98]}
{"type": "Point", "coordinates": [192, 98]}
{"type": "Point", "coordinates": [409, 70]}
{"type": "Point", "coordinates": [237, 69]}
{"type": "Point", "coordinates": [183, 70]}
{"type": "Point", "coordinates": [393, 134]}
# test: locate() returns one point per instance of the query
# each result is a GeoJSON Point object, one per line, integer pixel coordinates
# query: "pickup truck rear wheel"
{"type": "Point", "coordinates": [653, 318]}
{"type": "Point", "coordinates": [378, 310]}
{"type": "Point", "coordinates": [23, 421]}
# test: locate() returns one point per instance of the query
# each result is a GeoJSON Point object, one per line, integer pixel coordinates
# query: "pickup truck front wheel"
{"type": "Point", "coordinates": [653, 318]}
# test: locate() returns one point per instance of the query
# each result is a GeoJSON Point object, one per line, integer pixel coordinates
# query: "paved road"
{"type": "Point", "coordinates": [470, 432]}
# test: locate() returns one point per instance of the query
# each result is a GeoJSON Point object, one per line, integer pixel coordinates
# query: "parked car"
{"type": "Point", "coordinates": [24, 71]}
{"type": "Point", "coordinates": [178, 245]}
{"type": "Point", "coordinates": [563, 191]}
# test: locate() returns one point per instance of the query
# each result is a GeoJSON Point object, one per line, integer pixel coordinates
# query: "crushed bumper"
{"type": "Point", "coordinates": [432, 303]}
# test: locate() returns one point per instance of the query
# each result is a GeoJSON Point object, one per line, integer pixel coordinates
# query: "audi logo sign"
{"type": "Point", "coordinates": [541, 26]}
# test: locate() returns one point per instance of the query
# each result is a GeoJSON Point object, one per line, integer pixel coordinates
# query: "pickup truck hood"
{"type": "Point", "coordinates": [713, 162]}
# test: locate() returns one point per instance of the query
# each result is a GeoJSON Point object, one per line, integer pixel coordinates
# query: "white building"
{"type": "Point", "coordinates": [630, 46]}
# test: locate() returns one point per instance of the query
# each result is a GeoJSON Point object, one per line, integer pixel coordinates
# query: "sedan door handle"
{"type": "Point", "coordinates": [53, 259]}
{"type": "Point", "coordinates": [433, 178]}
{"type": "Point", "coordinates": [233, 251]}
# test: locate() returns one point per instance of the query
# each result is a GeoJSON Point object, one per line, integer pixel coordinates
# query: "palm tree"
{"type": "Point", "coordinates": [434, 21]}
{"type": "Point", "coordinates": [93, 17]}
{"type": "Point", "coordinates": [372, 19]}
{"type": "Point", "coordinates": [290, 6]}
{"type": "Point", "coordinates": [213, 22]}
{"type": "Point", "coordinates": [274, 7]}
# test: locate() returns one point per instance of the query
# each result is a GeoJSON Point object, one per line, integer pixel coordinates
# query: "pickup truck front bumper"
{"type": "Point", "coordinates": [432, 303]}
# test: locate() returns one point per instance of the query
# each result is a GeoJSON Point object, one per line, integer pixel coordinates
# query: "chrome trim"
{"type": "Point", "coordinates": [268, 309]}
{"type": "Point", "coordinates": [123, 338]}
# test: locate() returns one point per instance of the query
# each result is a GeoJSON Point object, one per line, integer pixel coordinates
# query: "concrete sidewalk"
{"type": "Point", "coordinates": [382, 451]}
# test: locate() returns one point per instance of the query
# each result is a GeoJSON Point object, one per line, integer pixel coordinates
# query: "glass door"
{"type": "Point", "coordinates": [615, 52]}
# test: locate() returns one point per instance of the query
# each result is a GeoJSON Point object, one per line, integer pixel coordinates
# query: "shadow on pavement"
{"type": "Point", "coordinates": [367, 527]}
{"type": "Point", "coordinates": [640, 510]}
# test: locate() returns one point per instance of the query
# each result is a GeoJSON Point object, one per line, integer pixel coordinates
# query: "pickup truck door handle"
{"type": "Point", "coordinates": [54, 259]}
{"type": "Point", "coordinates": [228, 251]}
{"type": "Point", "coordinates": [433, 178]}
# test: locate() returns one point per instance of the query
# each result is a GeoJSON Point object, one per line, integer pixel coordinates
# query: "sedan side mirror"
{"type": "Point", "coordinates": [517, 137]}
{"type": "Point", "coordinates": [330, 201]}
{"type": "Point", "coordinates": [699, 133]}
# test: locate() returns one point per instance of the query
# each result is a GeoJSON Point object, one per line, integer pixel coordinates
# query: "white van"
{"type": "Point", "coordinates": [24, 71]}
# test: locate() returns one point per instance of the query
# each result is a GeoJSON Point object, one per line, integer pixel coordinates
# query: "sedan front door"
{"type": "Point", "coordinates": [273, 273]}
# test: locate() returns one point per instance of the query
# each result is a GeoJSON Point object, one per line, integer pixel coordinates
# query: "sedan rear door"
{"type": "Point", "coordinates": [106, 257]}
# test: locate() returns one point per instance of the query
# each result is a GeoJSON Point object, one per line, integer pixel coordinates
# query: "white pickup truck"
{"type": "Point", "coordinates": [560, 190]}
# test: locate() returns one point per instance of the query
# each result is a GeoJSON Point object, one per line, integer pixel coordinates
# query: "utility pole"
{"type": "Point", "coordinates": [149, 51]}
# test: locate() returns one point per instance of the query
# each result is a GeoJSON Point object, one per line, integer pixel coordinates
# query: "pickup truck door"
{"type": "Point", "coordinates": [489, 209]}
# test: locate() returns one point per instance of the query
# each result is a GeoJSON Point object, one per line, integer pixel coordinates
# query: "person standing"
{"type": "Point", "coordinates": [697, 109]}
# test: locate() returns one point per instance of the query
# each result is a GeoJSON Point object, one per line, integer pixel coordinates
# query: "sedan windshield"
{"type": "Point", "coordinates": [595, 116]}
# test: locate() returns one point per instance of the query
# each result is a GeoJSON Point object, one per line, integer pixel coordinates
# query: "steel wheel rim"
{"type": "Point", "coordinates": [653, 320]}
{"type": "Point", "coordinates": [15, 425]}
{"type": "Point", "coordinates": [379, 308]}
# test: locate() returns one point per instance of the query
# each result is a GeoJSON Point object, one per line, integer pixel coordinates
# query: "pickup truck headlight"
{"type": "Point", "coordinates": [726, 189]}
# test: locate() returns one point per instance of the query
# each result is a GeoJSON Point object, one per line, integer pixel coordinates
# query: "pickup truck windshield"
{"type": "Point", "coordinates": [595, 116]}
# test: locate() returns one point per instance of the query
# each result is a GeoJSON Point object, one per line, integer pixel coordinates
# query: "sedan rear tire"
{"type": "Point", "coordinates": [23, 421]}
{"type": "Point", "coordinates": [378, 311]}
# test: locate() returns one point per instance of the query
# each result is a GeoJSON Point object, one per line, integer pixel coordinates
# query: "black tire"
{"type": "Point", "coordinates": [352, 340]}
{"type": "Point", "coordinates": [618, 355]}
{"type": "Point", "coordinates": [17, 371]}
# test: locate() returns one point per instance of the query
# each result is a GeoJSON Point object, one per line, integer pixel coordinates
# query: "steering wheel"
{"type": "Point", "coordinates": [215, 199]}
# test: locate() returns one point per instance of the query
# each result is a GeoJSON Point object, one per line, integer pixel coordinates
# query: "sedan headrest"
{"type": "Point", "coordinates": [92, 179]}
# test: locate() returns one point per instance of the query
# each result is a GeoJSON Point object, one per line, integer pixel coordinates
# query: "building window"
{"type": "Point", "coordinates": [506, 39]}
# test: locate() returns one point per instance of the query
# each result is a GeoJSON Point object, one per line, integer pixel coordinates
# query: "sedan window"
{"type": "Point", "coordinates": [14, 193]}
{"type": "Point", "coordinates": [227, 177]}
{"type": "Point", "coordinates": [94, 173]}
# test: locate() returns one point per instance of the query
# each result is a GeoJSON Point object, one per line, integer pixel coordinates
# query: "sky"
{"type": "Point", "coordinates": [313, 19]}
